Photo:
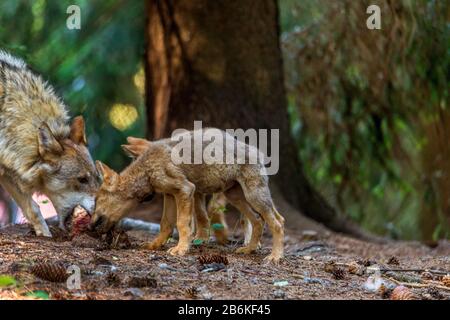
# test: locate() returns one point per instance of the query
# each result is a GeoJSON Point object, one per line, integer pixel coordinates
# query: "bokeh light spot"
{"type": "Point", "coordinates": [123, 116]}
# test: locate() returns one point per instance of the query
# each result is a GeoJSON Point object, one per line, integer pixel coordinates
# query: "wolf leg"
{"type": "Point", "coordinates": [184, 199]}
{"type": "Point", "coordinates": [237, 199]}
{"type": "Point", "coordinates": [168, 222]}
{"type": "Point", "coordinates": [29, 208]}
{"type": "Point", "coordinates": [258, 196]}
{"type": "Point", "coordinates": [247, 230]}
{"type": "Point", "coordinates": [216, 215]}
{"type": "Point", "coordinates": [202, 221]}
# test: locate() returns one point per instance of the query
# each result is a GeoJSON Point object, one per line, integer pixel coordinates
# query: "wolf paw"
{"type": "Point", "coordinates": [43, 233]}
{"type": "Point", "coordinates": [273, 258]}
{"type": "Point", "coordinates": [154, 245]}
{"type": "Point", "coordinates": [178, 250]}
{"type": "Point", "coordinates": [245, 250]}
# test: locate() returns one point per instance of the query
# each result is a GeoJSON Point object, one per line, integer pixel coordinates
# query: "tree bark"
{"type": "Point", "coordinates": [220, 62]}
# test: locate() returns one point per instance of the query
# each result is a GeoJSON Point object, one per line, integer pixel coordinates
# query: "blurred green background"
{"type": "Point", "coordinates": [97, 70]}
{"type": "Point", "coordinates": [372, 126]}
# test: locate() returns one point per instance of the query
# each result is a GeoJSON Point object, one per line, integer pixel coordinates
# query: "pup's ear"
{"type": "Point", "coordinates": [108, 175]}
{"type": "Point", "coordinates": [138, 141]}
{"type": "Point", "coordinates": [77, 131]}
{"type": "Point", "coordinates": [48, 146]}
{"type": "Point", "coordinates": [134, 150]}
{"type": "Point", "coordinates": [135, 146]}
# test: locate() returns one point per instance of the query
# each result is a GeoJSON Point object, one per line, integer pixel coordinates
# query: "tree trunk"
{"type": "Point", "coordinates": [220, 62]}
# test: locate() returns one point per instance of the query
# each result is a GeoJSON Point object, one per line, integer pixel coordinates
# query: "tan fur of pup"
{"type": "Point", "coordinates": [185, 186]}
{"type": "Point", "coordinates": [215, 209]}
{"type": "Point", "coordinates": [216, 215]}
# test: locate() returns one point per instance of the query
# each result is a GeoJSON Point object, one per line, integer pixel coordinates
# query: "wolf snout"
{"type": "Point", "coordinates": [88, 204]}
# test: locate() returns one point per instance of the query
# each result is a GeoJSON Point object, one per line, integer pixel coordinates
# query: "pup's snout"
{"type": "Point", "coordinates": [96, 223]}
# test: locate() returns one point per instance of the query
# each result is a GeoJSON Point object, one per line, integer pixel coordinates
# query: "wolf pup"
{"type": "Point", "coordinates": [39, 151]}
{"type": "Point", "coordinates": [154, 171]}
{"type": "Point", "coordinates": [136, 147]}
{"type": "Point", "coordinates": [215, 209]}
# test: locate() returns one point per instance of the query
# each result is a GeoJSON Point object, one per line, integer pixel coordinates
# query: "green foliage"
{"type": "Point", "coordinates": [217, 226]}
{"type": "Point", "coordinates": [92, 69]}
{"type": "Point", "coordinates": [364, 105]}
{"type": "Point", "coordinates": [197, 242]}
{"type": "Point", "coordinates": [222, 209]}
{"type": "Point", "coordinates": [40, 294]}
{"type": "Point", "coordinates": [6, 281]}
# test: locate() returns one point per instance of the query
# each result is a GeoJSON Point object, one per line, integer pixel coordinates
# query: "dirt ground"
{"type": "Point", "coordinates": [316, 267]}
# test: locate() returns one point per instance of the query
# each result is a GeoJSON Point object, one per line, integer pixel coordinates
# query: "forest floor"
{"type": "Point", "coordinates": [330, 266]}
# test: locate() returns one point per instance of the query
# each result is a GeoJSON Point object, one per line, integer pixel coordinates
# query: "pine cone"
{"type": "Point", "coordinates": [385, 292]}
{"type": "Point", "coordinates": [192, 292]}
{"type": "Point", "coordinates": [329, 266]}
{"type": "Point", "coordinates": [435, 294]}
{"type": "Point", "coordinates": [54, 272]}
{"type": "Point", "coordinates": [355, 268]}
{"type": "Point", "coordinates": [393, 261]}
{"type": "Point", "coordinates": [213, 258]}
{"type": "Point", "coordinates": [147, 281]}
{"type": "Point", "coordinates": [426, 275]}
{"type": "Point", "coordinates": [402, 293]}
{"type": "Point", "coordinates": [338, 273]}
{"type": "Point", "coordinates": [366, 262]}
{"type": "Point", "coordinates": [446, 280]}
{"type": "Point", "coordinates": [113, 279]}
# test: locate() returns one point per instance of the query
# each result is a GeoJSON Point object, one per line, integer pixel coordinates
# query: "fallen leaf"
{"type": "Point", "coordinates": [212, 267]}
{"type": "Point", "coordinates": [309, 235]}
{"type": "Point", "coordinates": [218, 226]}
{"type": "Point", "coordinates": [281, 283]}
{"type": "Point", "coordinates": [279, 294]}
{"type": "Point", "coordinates": [222, 209]}
{"type": "Point", "coordinates": [373, 283]}
{"type": "Point", "coordinates": [135, 292]}
{"type": "Point", "coordinates": [40, 294]}
{"type": "Point", "coordinates": [143, 282]}
{"type": "Point", "coordinates": [446, 280]}
{"type": "Point", "coordinates": [6, 281]}
{"type": "Point", "coordinates": [197, 242]}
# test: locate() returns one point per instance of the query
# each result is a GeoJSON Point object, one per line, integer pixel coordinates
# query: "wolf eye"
{"type": "Point", "coordinates": [83, 180]}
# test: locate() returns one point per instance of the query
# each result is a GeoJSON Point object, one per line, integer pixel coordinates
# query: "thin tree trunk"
{"type": "Point", "coordinates": [220, 62]}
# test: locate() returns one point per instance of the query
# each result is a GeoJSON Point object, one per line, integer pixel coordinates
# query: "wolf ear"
{"type": "Point", "coordinates": [133, 151]}
{"type": "Point", "coordinates": [48, 146]}
{"type": "Point", "coordinates": [77, 131]}
{"type": "Point", "coordinates": [138, 141]}
{"type": "Point", "coordinates": [136, 146]}
{"type": "Point", "coordinates": [108, 175]}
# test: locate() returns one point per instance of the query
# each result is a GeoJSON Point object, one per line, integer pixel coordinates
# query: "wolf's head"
{"type": "Point", "coordinates": [69, 176]}
{"type": "Point", "coordinates": [114, 199]}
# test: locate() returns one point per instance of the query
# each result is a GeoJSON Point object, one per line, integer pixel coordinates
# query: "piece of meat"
{"type": "Point", "coordinates": [79, 222]}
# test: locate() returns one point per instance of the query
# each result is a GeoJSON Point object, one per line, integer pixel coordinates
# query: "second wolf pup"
{"type": "Point", "coordinates": [243, 184]}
